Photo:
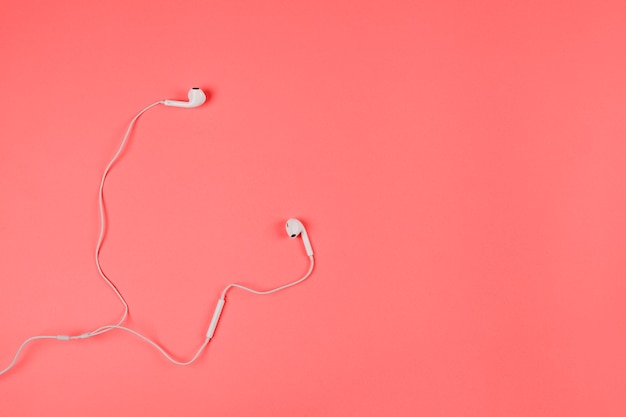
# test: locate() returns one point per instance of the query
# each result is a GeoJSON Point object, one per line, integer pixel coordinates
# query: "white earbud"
{"type": "Point", "coordinates": [294, 228]}
{"type": "Point", "coordinates": [196, 98]}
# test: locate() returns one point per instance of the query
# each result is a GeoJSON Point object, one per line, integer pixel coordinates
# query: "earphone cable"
{"type": "Point", "coordinates": [206, 341]}
{"type": "Point", "coordinates": [282, 287]}
{"type": "Point", "coordinates": [101, 329]}
{"type": "Point", "coordinates": [119, 324]}
{"type": "Point", "coordinates": [104, 329]}
{"type": "Point", "coordinates": [158, 347]}
{"type": "Point", "coordinates": [19, 350]}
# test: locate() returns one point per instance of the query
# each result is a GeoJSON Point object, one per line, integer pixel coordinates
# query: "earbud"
{"type": "Point", "coordinates": [294, 228]}
{"type": "Point", "coordinates": [196, 98]}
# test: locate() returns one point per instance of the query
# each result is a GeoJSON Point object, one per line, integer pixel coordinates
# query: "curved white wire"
{"type": "Point", "coordinates": [22, 346]}
{"type": "Point", "coordinates": [206, 341]}
{"type": "Point", "coordinates": [105, 329]}
{"type": "Point", "coordinates": [101, 329]}
{"type": "Point", "coordinates": [282, 287]}
{"type": "Point", "coordinates": [158, 347]}
{"type": "Point", "coordinates": [108, 328]}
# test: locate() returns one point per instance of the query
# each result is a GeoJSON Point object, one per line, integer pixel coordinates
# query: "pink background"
{"type": "Point", "coordinates": [461, 167]}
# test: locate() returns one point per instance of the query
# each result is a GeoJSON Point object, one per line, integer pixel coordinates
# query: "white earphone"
{"type": "Point", "coordinates": [196, 99]}
{"type": "Point", "coordinates": [294, 229]}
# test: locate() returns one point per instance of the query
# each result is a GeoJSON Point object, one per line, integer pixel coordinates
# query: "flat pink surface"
{"type": "Point", "coordinates": [461, 168]}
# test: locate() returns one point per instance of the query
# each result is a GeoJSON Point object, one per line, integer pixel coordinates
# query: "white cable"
{"type": "Point", "coordinates": [208, 338]}
{"type": "Point", "coordinates": [282, 287]}
{"type": "Point", "coordinates": [101, 329]}
{"type": "Point", "coordinates": [104, 329]}
{"type": "Point", "coordinates": [108, 328]}
{"type": "Point", "coordinates": [27, 341]}
{"type": "Point", "coordinates": [158, 347]}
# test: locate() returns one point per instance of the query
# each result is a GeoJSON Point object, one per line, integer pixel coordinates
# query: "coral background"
{"type": "Point", "coordinates": [461, 168]}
